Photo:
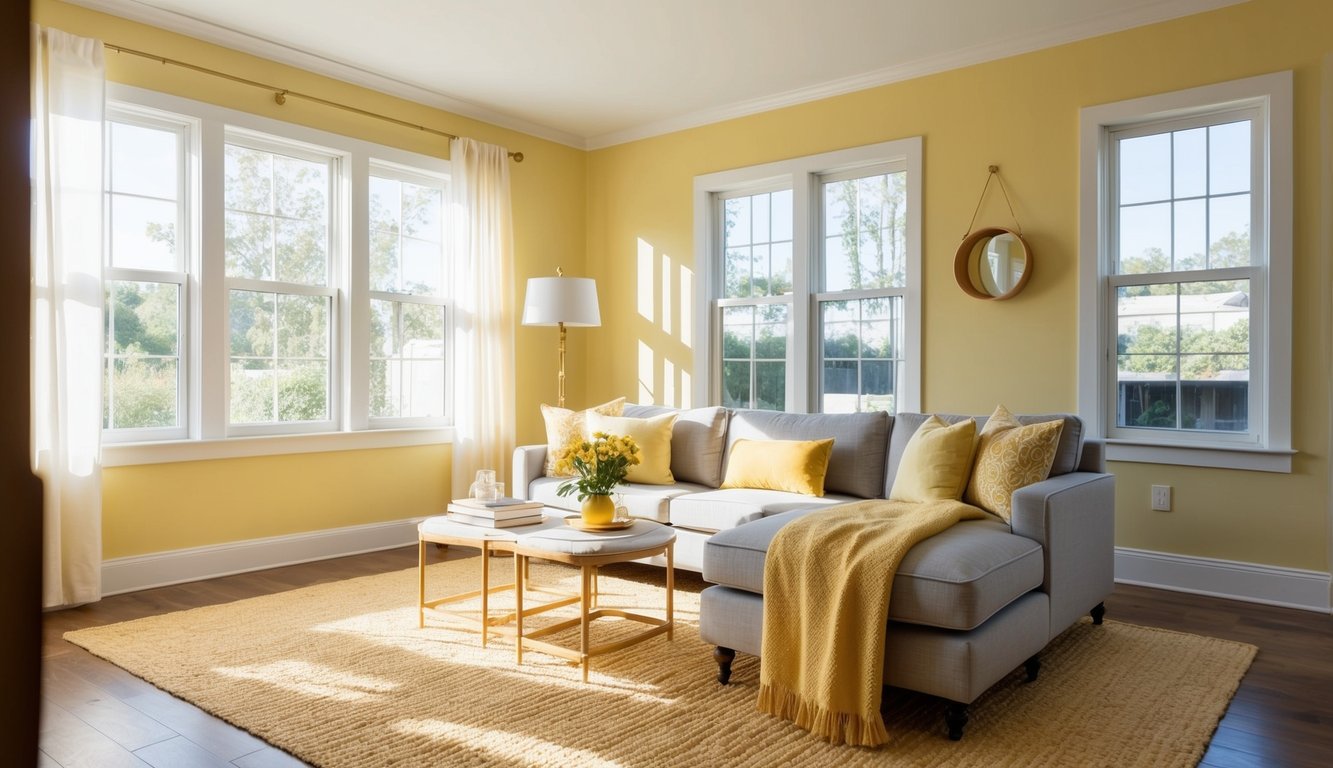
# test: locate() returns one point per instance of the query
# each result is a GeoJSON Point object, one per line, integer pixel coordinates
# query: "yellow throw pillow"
{"type": "Point", "coordinates": [563, 425]}
{"type": "Point", "coordinates": [653, 435]}
{"type": "Point", "coordinates": [795, 466]}
{"type": "Point", "coordinates": [1010, 456]}
{"type": "Point", "coordinates": [936, 461]}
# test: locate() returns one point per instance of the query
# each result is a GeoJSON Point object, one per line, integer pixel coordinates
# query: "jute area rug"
{"type": "Point", "coordinates": [339, 675]}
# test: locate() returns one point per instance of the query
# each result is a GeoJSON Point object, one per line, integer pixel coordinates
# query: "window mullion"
{"type": "Point", "coordinates": [805, 235]}
{"type": "Point", "coordinates": [355, 300]}
{"type": "Point", "coordinates": [210, 356]}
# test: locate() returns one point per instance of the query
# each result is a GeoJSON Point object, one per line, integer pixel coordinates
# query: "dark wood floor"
{"type": "Point", "coordinates": [95, 714]}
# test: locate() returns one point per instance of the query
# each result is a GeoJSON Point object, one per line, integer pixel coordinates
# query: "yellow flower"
{"type": "Point", "coordinates": [598, 465]}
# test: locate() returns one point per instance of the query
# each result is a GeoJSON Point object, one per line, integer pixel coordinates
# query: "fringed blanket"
{"type": "Point", "coordinates": [826, 603]}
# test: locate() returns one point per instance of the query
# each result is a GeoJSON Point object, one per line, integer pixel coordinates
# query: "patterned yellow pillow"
{"type": "Point", "coordinates": [1010, 456]}
{"type": "Point", "coordinates": [563, 425]}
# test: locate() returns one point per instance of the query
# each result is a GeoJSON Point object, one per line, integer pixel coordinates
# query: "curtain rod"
{"type": "Point", "coordinates": [280, 94]}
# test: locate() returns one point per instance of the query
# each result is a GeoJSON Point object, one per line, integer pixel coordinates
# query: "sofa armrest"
{"type": "Point", "coordinates": [529, 464]}
{"type": "Point", "coordinates": [1073, 517]}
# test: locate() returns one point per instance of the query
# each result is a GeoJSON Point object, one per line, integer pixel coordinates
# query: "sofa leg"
{"type": "Point", "coordinates": [955, 716]}
{"type": "Point", "coordinates": [723, 657]}
{"type": "Point", "coordinates": [1033, 666]}
{"type": "Point", "coordinates": [1097, 613]}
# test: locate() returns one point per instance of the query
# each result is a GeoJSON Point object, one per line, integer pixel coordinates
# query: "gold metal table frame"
{"type": "Point", "coordinates": [511, 623]}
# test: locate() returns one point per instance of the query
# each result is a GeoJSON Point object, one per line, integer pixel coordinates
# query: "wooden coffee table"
{"type": "Point", "coordinates": [551, 540]}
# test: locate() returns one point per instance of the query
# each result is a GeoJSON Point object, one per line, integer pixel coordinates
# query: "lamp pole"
{"type": "Point", "coordinates": [560, 377]}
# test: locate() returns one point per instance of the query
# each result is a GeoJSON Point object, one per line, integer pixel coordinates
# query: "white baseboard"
{"type": "Point", "coordinates": [129, 574]}
{"type": "Point", "coordinates": [1271, 585]}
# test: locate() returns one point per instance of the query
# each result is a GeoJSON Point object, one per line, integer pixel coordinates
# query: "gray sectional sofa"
{"type": "Point", "coordinates": [968, 606]}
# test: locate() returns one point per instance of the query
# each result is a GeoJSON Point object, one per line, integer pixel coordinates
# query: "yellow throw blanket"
{"type": "Point", "coordinates": [827, 580]}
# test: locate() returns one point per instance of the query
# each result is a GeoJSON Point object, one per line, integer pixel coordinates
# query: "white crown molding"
{"type": "Point", "coordinates": [134, 10]}
{"type": "Point", "coordinates": [1247, 582]}
{"type": "Point", "coordinates": [1114, 21]}
{"type": "Point", "coordinates": [160, 569]}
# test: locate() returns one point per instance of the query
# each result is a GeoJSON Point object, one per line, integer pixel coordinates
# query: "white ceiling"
{"type": "Point", "coordinates": [593, 73]}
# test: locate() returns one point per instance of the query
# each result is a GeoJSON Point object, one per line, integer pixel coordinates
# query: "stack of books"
{"type": "Point", "coordinates": [504, 512]}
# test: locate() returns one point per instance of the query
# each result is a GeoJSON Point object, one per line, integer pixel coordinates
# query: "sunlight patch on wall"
{"type": "Point", "coordinates": [686, 308]}
{"type": "Point", "coordinates": [668, 382]}
{"type": "Point", "coordinates": [664, 298]}
{"type": "Point", "coordinates": [645, 373]}
{"type": "Point", "coordinates": [645, 280]}
{"type": "Point", "coordinates": [666, 294]}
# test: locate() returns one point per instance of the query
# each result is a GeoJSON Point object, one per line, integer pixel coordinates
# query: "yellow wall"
{"type": "Point", "coordinates": [159, 507]}
{"type": "Point", "coordinates": [640, 196]}
{"type": "Point", "coordinates": [597, 213]}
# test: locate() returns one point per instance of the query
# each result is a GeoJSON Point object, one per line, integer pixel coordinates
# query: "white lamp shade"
{"type": "Point", "coordinates": [568, 300]}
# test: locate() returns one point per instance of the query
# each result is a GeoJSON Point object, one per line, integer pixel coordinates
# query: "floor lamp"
{"type": "Point", "coordinates": [561, 301]}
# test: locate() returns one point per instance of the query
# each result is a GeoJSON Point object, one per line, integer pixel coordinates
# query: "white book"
{"type": "Point", "coordinates": [482, 521]}
{"type": "Point", "coordinates": [500, 512]}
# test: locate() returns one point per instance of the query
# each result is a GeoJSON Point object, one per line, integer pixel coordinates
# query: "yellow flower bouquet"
{"type": "Point", "coordinates": [599, 464]}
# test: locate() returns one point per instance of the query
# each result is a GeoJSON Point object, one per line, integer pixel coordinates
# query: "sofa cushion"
{"type": "Point", "coordinates": [697, 440]}
{"type": "Point", "coordinates": [856, 465]}
{"type": "Point", "coordinates": [723, 509]}
{"type": "Point", "coordinates": [954, 580]}
{"type": "Point", "coordinates": [646, 501]}
{"type": "Point", "coordinates": [796, 466]}
{"type": "Point", "coordinates": [936, 462]}
{"type": "Point", "coordinates": [563, 425]}
{"type": "Point", "coordinates": [1010, 456]}
{"type": "Point", "coordinates": [1068, 451]}
{"type": "Point", "coordinates": [653, 436]}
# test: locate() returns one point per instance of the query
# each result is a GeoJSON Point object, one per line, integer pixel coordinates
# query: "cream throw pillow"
{"type": "Point", "coordinates": [563, 425]}
{"type": "Point", "coordinates": [653, 435]}
{"type": "Point", "coordinates": [936, 461]}
{"type": "Point", "coordinates": [795, 466]}
{"type": "Point", "coordinates": [1010, 456]}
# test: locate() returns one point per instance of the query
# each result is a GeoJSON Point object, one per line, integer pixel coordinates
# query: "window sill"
{"type": "Point", "coordinates": [167, 451]}
{"type": "Point", "coordinates": [1247, 458]}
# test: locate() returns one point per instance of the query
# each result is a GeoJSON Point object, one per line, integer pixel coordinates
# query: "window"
{"type": "Point", "coordinates": [408, 313]}
{"type": "Point", "coordinates": [146, 254]}
{"type": "Point", "coordinates": [280, 299]}
{"type": "Point", "coordinates": [756, 299]}
{"type": "Point", "coordinates": [264, 279]}
{"type": "Point", "coordinates": [1187, 264]}
{"type": "Point", "coordinates": [811, 282]}
{"type": "Point", "coordinates": [864, 266]}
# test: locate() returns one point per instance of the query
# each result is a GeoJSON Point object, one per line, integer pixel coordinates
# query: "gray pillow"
{"type": "Point", "coordinates": [696, 441]}
{"type": "Point", "coordinates": [856, 466]}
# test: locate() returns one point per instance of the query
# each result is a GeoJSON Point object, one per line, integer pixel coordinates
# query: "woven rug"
{"type": "Point", "coordinates": [339, 674]}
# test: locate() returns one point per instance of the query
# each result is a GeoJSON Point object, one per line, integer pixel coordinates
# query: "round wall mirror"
{"type": "Point", "coordinates": [993, 263]}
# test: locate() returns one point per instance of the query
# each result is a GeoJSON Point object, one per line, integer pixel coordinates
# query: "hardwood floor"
{"type": "Point", "coordinates": [97, 715]}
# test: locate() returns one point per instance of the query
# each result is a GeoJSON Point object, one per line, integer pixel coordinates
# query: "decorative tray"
{"type": "Point", "coordinates": [577, 522]}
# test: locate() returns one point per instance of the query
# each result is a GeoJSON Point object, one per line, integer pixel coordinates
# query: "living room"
{"type": "Point", "coordinates": [623, 210]}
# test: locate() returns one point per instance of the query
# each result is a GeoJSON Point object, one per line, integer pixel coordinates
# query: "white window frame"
{"type": "Point", "coordinates": [207, 322]}
{"type": "Point", "coordinates": [187, 250]}
{"type": "Point", "coordinates": [389, 170]}
{"type": "Point", "coordinates": [334, 160]}
{"type": "Point", "coordinates": [804, 176]}
{"type": "Point", "coordinates": [1268, 446]}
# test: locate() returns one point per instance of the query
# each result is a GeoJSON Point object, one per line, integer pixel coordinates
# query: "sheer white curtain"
{"type": "Point", "coordinates": [68, 106]}
{"type": "Point", "coordinates": [483, 379]}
